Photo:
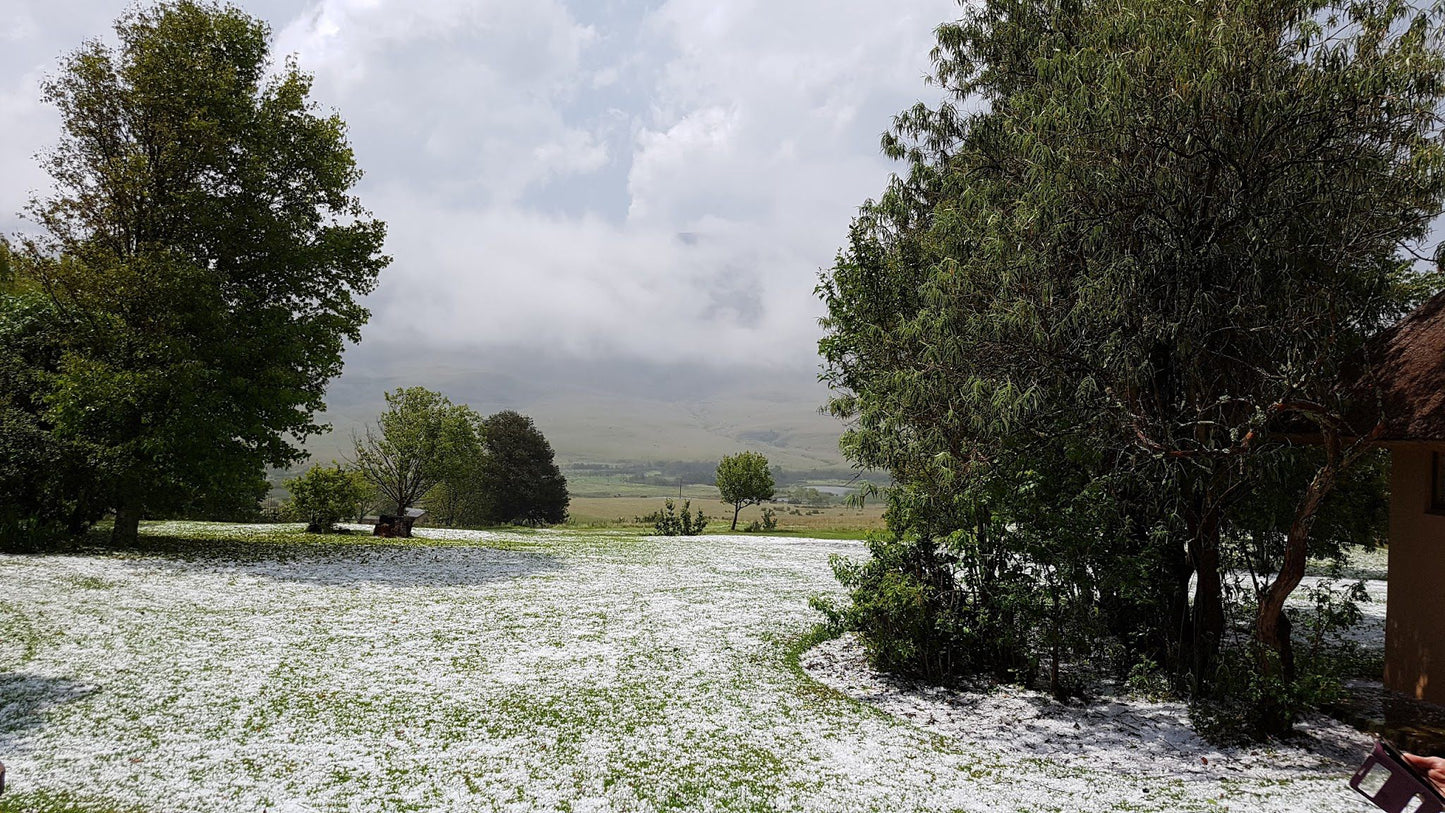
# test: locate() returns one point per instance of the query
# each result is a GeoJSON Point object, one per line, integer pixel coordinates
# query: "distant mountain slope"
{"type": "Point", "coordinates": [605, 410]}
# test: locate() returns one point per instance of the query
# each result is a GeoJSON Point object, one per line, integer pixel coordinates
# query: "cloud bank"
{"type": "Point", "coordinates": [658, 182]}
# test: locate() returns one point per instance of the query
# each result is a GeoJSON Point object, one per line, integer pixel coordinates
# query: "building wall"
{"type": "Point", "coordinates": [1415, 613]}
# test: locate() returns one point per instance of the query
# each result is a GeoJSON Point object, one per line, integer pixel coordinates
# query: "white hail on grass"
{"type": "Point", "coordinates": [538, 672]}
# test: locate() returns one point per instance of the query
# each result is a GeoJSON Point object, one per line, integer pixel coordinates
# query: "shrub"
{"type": "Point", "coordinates": [915, 619]}
{"type": "Point", "coordinates": [668, 522]}
{"type": "Point", "coordinates": [1251, 703]}
{"type": "Point", "coordinates": [322, 498]}
{"type": "Point", "coordinates": [769, 522]}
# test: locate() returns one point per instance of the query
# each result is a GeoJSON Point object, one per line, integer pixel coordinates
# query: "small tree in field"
{"type": "Point", "coordinates": [323, 497]}
{"type": "Point", "coordinates": [743, 479]}
{"type": "Point", "coordinates": [416, 444]}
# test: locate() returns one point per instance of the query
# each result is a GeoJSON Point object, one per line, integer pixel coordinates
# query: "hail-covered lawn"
{"type": "Point", "coordinates": [545, 671]}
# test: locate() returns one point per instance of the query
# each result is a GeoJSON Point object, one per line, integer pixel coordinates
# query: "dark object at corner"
{"type": "Point", "coordinates": [1393, 784]}
{"type": "Point", "coordinates": [392, 526]}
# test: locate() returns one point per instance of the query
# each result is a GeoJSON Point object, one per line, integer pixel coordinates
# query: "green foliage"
{"type": "Point", "coordinates": [519, 477]}
{"type": "Point", "coordinates": [1255, 703]}
{"type": "Point", "coordinates": [7, 265]}
{"type": "Point", "coordinates": [420, 441]}
{"type": "Point", "coordinates": [904, 605]}
{"type": "Point", "coordinates": [743, 479]}
{"type": "Point", "coordinates": [324, 497]}
{"type": "Point", "coordinates": [368, 500]}
{"type": "Point", "coordinates": [668, 522]}
{"type": "Point", "coordinates": [768, 522]}
{"type": "Point", "coordinates": [468, 470]}
{"type": "Point", "coordinates": [1115, 268]}
{"type": "Point", "coordinates": [811, 497]}
{"type": "Point", "coordinates": [203, 253]}
{"type": "Point", "coordinates": [51, 486]}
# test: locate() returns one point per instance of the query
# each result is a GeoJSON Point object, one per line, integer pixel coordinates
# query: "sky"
{"type": "Point", "coordinates": [608, 184]}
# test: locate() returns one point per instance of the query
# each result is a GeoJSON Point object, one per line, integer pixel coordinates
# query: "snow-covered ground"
{"type": "Point", "coordinates": [545, 671]}
{"type": "Point", "coordinates": [1126, 736]}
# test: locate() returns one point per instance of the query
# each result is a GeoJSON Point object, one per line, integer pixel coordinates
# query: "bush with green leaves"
{"type": "Point", "coordinates": [767, 522]}
{"type": "Point", "coordinates": [53, 485]}
{"type": "Point", "coordinates": [1252, 704]}
{"type": "Point", "coordinates": [668, 522]}
{"type": "Point", "coordinates": [323, 497]}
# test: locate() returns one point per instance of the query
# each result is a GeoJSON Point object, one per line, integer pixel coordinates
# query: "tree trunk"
{"type": "Point", "coordinates": [1179, 651]}
{"type": "Point", "coordinates": [1054, 646]}
{"type": "Point", "coordinates": [1271, 627]}
{"type": "Point", "coordinates": [126, 530]}
{"type": "Point", "coordinates": [737, 508]}
{"type": "Point", "coordinates": [1207, 619]}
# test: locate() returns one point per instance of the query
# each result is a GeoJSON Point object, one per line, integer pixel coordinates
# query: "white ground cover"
{"type": "Point", "coordinates": [545, 671]}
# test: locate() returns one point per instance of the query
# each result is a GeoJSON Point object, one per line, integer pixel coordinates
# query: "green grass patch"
{"type": "Point", "coordinates": [40, 802]}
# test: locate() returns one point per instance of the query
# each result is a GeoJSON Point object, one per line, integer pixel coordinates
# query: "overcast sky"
{"type": "Point", "coordinates": [613, 179]}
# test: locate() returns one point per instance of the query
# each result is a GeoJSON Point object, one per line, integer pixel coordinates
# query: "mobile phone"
{"type": "Point", "coordinates": [1394, 785]}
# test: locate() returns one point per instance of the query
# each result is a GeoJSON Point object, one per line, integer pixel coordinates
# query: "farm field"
{"type": "Point", "coordinates": [253, 668]}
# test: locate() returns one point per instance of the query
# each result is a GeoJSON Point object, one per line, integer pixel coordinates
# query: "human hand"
{"type": "Point", "coordinates": [1433, 768]}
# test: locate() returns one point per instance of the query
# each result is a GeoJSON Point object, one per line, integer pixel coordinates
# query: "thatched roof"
{"type": "Point", "coordinates": [1406, 372]}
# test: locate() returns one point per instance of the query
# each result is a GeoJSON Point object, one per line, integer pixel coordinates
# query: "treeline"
{"type": "Point", "coordinates": [465, 469]}
{"type": "Point", "coordinates": [424, 451]}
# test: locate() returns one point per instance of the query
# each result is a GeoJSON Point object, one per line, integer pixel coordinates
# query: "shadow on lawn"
{"type": "Point", "coordinates": [1112, 734]}
{"type": "Point", "coordinates": [345, 563]}
{"type": "Point", "coordinates": [1163, 734]}
{"type": "Point", "coordinates": [24, 700]}
{"type": "Point", "coordinates": [392, 566]}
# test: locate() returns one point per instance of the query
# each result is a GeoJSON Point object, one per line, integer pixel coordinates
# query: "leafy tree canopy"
{"type": "Point", "coordinates": [1135, 240]}
{"type": "Point", "coordinates": [419, 441]}
{"type": "Point", "coordinates": [203, 251]}
{"type": "Point", "coordinates": [323, 497]}
{"type": "Point", "coordinates": [50, 486]}
{"type": "Point", "coordinates": [520, 480]}
{"type": "Point", "coordinates": [743, 479]}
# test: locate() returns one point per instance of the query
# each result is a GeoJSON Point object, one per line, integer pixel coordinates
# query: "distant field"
{"type": "Point", "coordinates": [602, 485]}
{"type": "Point", "coordinates": [612, 511]}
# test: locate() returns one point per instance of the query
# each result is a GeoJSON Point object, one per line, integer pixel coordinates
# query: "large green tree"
{"type": "Point", "coordinates": [204, 252]}
{"type": "Point", "coordinates": [519, 479]}
{"type": "Point", "coordinates": [1135, 241]}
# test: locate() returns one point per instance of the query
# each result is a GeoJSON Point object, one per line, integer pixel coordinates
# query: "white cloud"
{"type": "Point", "coordinates": [453, 96]}
{"type": "Point", "coordinates": [596, 179]}
{"type": "Point", "coordinates": [663, 186]}
{"type": "Point", "coordinates": [580, 286]}
{"type": "Point", "coordinates": [575, 152]}
{"type": "Point", "coordinates": [17, 25]}
{"type": "Point", "coordinates": [26, 127]}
